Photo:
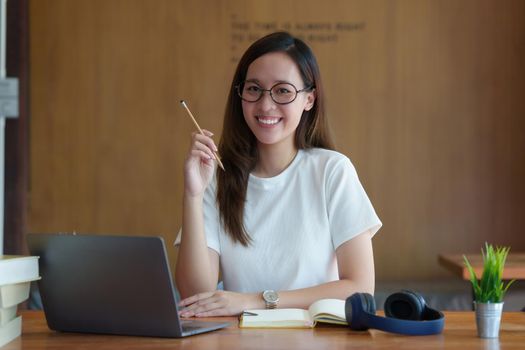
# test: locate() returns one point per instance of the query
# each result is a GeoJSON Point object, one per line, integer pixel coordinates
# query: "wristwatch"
{"type": "Point", "coordinates": [271, 298]}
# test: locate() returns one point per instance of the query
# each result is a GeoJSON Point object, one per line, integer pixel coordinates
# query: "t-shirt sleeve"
{"type": "Point", "coordinates": [350, 211]}
{"type": "Point", "coordinates": [211, 219]}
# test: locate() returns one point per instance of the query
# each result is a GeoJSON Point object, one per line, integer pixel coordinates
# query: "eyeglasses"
{"type": "Point", "coordinates": [281, 93]}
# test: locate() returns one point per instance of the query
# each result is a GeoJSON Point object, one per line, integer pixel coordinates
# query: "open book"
{"type": "Point", "coordinates": [324, 310]}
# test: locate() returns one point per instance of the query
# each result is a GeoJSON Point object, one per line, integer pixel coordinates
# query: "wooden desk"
{"type": "Point", "coordinates": [514, 267]}
{"type": "Point", "coordinates": [459, 333]}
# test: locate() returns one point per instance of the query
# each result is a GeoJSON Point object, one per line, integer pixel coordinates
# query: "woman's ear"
{"type": "Point", "coordinates": [310, 100]}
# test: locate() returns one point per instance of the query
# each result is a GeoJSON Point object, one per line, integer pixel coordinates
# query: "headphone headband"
{"type": "Point", "coordinates": [407, 327]}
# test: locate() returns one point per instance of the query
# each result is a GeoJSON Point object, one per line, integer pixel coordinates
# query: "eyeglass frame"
{"type": "Point", "coordinates": [238, 86]}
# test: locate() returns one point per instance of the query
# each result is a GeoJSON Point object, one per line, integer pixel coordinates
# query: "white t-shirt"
{"type": "Point", "coordinates": [296, 220]}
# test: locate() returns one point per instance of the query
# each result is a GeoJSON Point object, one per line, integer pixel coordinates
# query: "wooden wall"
{"type": "Point", "coordinates": [426, 97]}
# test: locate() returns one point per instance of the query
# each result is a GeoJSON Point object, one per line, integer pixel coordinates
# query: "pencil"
{"type": "Point", "coordinates": [183, 103]}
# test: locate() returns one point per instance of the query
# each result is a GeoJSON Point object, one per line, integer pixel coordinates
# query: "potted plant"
{"type": "Point", "coordinates": [489, 290]}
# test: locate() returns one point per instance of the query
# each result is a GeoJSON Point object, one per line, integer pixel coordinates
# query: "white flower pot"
{"type": "Point", "coordinates": [488, 319]}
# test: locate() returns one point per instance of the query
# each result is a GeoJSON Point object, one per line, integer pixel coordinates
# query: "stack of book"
{"type": "Point", "coordinates": [16, 274]}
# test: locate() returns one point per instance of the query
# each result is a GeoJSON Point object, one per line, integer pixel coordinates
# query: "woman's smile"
{"type": "Point", "coordinates": [267, 121]}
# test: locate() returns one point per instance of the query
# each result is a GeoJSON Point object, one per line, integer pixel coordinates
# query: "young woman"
{"type": "Point", "coordinates": [288, 222]}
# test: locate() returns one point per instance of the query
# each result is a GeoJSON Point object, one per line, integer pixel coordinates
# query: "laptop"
{"type": "Point", "coordinates": [111, 285]}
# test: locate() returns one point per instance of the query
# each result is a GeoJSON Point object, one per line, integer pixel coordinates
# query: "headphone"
{"type": "Point", "coordinates": [406, 311]}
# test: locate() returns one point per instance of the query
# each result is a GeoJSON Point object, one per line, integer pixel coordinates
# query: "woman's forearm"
{"type": "Point", "coordinates": [342, 289]}
{"type": "Point", "coordinates": [194, 272]}
{"type": "Point", "coordinates": [303, 298]}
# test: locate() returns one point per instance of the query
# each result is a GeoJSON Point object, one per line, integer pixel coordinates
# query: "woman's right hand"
{"type": "Point", "coordinates": [200, 164]}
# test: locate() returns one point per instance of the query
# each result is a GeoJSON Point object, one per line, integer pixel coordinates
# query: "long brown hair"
{"type": "Point", "coordinates": [238, 145]}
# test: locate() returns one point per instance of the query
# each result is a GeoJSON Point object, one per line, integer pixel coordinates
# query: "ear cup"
{"type": "Point", "coordinates": [370, 303]}
{"type": "Point", "coordinates": [422, 305]}
{"type": "Point", "coordinates": [404, 309]}
{"type": "Point", "coordinates": [357, 306]}
{"type": "Point", "coordinates": [405, 305]}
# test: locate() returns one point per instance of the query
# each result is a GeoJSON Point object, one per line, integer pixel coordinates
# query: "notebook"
{"type": "Point", "coordinates": [110, 284]}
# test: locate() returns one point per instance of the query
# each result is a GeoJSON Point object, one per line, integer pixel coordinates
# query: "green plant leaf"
{"type": "Point", "coordinates": [490, 287]}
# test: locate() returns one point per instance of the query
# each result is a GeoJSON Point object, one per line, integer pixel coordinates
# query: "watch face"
{"type": "Point", "coordinates": [270, 296]}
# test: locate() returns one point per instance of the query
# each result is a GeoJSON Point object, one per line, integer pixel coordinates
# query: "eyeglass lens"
{"type": "Point", "coordinates": [280, 93]}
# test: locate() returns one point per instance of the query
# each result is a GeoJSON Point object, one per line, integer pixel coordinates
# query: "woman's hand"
{"type": "Point", "coordinates": [199, 165]}
{"type": "Point", "coordinates": [218, 303]}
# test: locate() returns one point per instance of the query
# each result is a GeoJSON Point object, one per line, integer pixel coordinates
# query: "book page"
{"type": "Point", "coordinates": [328, 311]}
{"type": "Point", "coordinates": [278, 318]}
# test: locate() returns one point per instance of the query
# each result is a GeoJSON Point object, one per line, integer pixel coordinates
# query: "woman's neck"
{"type": "Point", "coordinates": [274, 159]}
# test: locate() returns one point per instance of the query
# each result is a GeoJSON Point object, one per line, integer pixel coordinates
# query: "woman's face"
{"type": "Point", "coordinates": [273, 123]}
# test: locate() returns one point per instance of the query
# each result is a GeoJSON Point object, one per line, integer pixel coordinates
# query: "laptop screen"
{"type": "Point", "coordinates": [106, 284]}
